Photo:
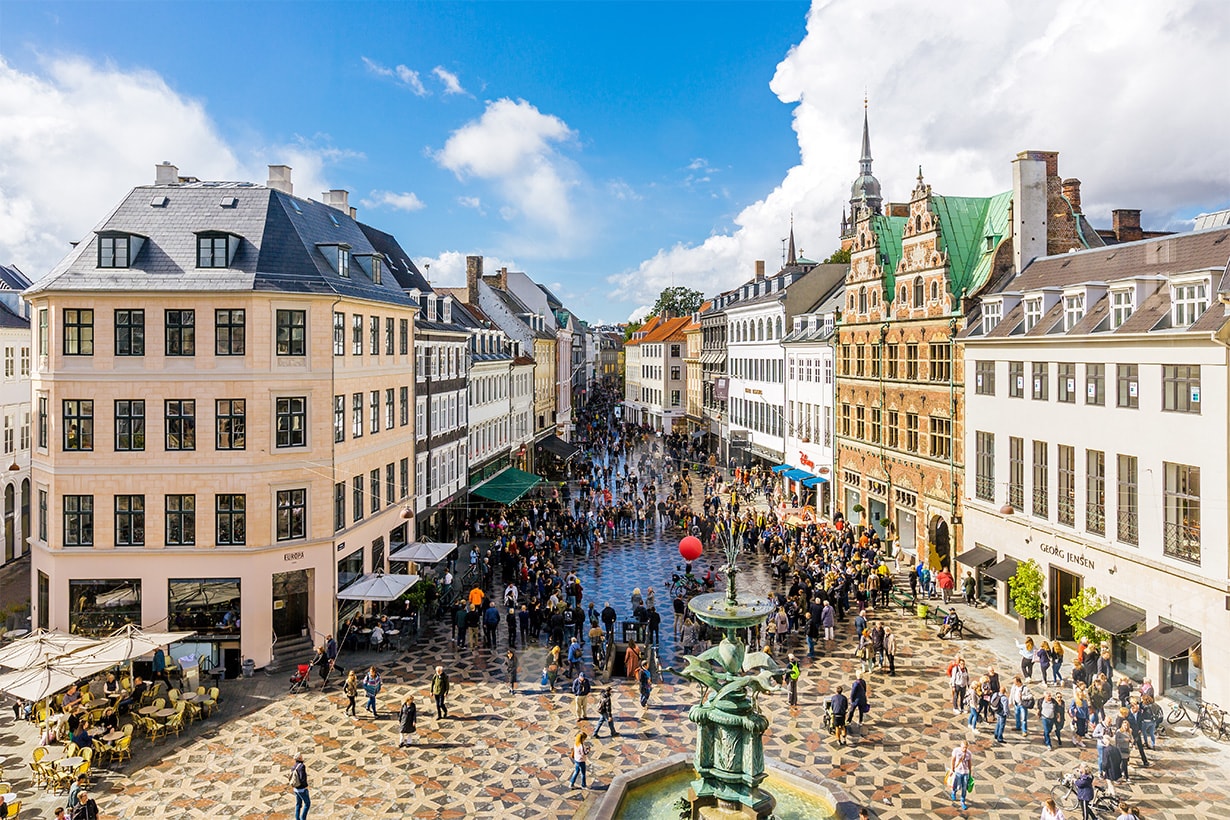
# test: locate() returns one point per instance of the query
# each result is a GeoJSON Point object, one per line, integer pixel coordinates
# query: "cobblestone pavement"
{"type": "Point", "coordinates": [503, 754]}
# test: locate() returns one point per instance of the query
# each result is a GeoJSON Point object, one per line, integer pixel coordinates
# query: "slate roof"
{"type": "Point", "coordinates": [1164, 257]}
{"type": "Point", "coordinates": [11, 278]}
{"type": "Point", "coordinates": [280, 248]}
{"type": "Point", "coordinates": [10, 320]}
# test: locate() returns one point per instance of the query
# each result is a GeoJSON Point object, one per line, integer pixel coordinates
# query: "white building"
{"type": "Point", "coordinates": [15, 408]}
{"type": "Point", "coordinates": [756, 325]}
{"type": "Point", "coordinates": [810, 395]}
{"type": "Point", "coordinates": [1096, 403]}
{"type": "Point", "coordinates": [490, 398]}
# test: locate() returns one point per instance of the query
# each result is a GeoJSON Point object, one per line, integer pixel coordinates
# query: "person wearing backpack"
{"type": "Point", "coordinates": [299, 783]}
{"type": "Point", "coordinates": [792, 681]}
{"type": "Point", "coordinates": [999, 708]}
{"type": "Point", "coordinates": [581, 688]}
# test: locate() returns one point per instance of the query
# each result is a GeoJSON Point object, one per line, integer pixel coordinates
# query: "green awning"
{"type": "Point", "coordinates": [506, 487]}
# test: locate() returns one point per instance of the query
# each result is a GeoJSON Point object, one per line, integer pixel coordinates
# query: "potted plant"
{"type": "Point", "coordinates": [1025, 590]}
{"type": "Point", "coordinates": [1085, 603]}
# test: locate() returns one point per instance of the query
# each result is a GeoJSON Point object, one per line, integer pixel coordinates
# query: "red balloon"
{"type": "Point", "coordinates": [690, 548]}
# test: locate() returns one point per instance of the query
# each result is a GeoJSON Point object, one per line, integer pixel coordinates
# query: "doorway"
{"type": "Point", "coordinates": [290, 602]}
{"type": "Point", "coordinates": [1064, 587]}
{"type": "Point", "coordinates": [940, 540]}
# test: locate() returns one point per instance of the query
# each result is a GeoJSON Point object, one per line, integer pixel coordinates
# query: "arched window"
{"type": "Point", "coordinates": [875, 297]}
{"type": "Point", "coordinates": [902, 296]}
{"type": "Point", "coordinates": [10, 511]}
{"type": "Point", "coordinates": [779, 328]}
{"type": "Point", "coordinates": [862, 300]}
{"type": "Point", "coordinates": [918, 292]}
{"type": "Point", "coordinates": [918, 223]}
{"type": "Point", "coordinates": [25, 509]}
{"type": "Point", "coordinates": [760, 330]}
{"type": "Point", "coordinates": [935, 291]}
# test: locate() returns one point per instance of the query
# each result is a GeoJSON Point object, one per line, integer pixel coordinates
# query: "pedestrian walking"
{"type": "Point", "coordinates": [606, 712]}
{"type": "Point", "coordinates": [961, 772]}
{"type": "Point", "coordinates": [407, 721]}
{"type": "Point", "coordinates": [999, 707]}
{"type": "Point", "coordinates": [351, 690]}
{"type": "Point", "coordinates": [299, 783]}
{"type": "Point", "coordinates": [792, 681]}
{"type": "Point", "coordinates": [645, 684]}
{"type": "Point", "coordinates": [890, 650]}
{"type": "Point", "coordinates": [839, 706]}
{"type": "Point", "coordinates": [575, 657]}
{"type": "Point", "coordinates": [372, 685]}
{"type": "Point", "coordinates": [580, 757]}
{"type": "Point", "coordinates": [581, 688]}
{"type": "Point", "coordinates": [1082, 784]}
{"type": "Point", "coordinates": [1051, 811]}
{"type": "Point", "coordinates": [439, 691]}
{"type": "Point", "coordinates": [510, 668]}
{"type": "Point", "coordinates": [858, 698]}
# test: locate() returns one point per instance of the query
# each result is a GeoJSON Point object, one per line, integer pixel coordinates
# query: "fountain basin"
{"type": "Point", "coordinates": [648, 793]}
{"type": "Point", "coordinates": [715, 610]}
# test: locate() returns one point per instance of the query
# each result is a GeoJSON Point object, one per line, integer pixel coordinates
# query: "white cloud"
{"type": "Point", "coordinates": [640, 313]}
{"type": "Point", "coordinates": [448, 270]}
{"type": "Point", "coordinates": [961, 95]}
{"type": "Point", "coordinates": [407, 201]}
{"type": "Point", "coordinates": [451, 84]}
{"type": "Point", "coordinates": [514, 146]}
{"type": "Point", "coordinates": [68, 159]}
{"type": "Point", "coordinates": [470, 202]}
{"type": "Point", "coordinates": [618, 189]}
{"type": "Point", "coordinates": [406, 76]}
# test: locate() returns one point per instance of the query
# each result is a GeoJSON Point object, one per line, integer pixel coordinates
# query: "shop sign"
{"type": "Point", "coordinates": [1066, 555]}
{"type": "Point", "coordinates": [805, 461]}
{"type": "Point", "coordinates": [293, 556]}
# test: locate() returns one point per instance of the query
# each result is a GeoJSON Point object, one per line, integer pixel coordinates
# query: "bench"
{"type": "Point", "coordinates": [907, 605]}
{"type": "Point", "coordinates": [938, 614]}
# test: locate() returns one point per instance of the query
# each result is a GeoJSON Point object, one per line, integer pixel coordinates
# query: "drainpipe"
{"type": "Point", "coordinates": [952, 449]}
{"type": "Point", "coordinates": [888, 500]}
{"type": "Point", "coordinates": [333, 450]}
{"type": "Point", "coordinates": [833, 501]}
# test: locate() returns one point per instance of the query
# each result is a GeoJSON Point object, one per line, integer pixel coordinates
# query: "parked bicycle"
{"type": "Point", "coordinates": [1178, 712]}
{"type": "Point", "coordinates": [1064, 793]}
{"type": "Point", "coordinates": [1212, 722]}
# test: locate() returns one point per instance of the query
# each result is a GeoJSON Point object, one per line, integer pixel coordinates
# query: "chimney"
{"type": "Point", "coordinates": [474, 272]}
{"type": "Point", "coordinates": [354, 213]}
{"type": "Point", "coordinates": [279, 179]}
{"type": "Point", "coordinates": [503, 278]}
{"type": "Point", "coordinates": [1030, 171]}
{"type": "Point", "coordinates": [1072, 193]}
{"type": "Point", "coordinates": [338, 198]}
{"type": "Point", "coordinates": [1127, 224]}
{"type": "Point", "coordinates": [759, 269]}
{"type": "Point", "coordinates": [166, 174]}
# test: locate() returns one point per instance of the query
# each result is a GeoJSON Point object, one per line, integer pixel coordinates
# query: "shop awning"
{"type": "Point", "coordinates": [798, 475]}
{"type": "Point", "coordinates": [423, 552]}
{"type": "Point", "coordinates": [781, 468]}
{"type": "Point", "coordinates": [557, 446]}
{"type": "Point", "coordinates": [1115, 618]}
{"type": "Point", "coordinates": [976, 557]}
{"type": "Point", "coordinates": [377, 587]}
{"type": "Point", "coordinates": [1002, 571]}
{"type": "Point", "coordinates": [814, 480]}
{"type": "Point", "coordinates": [1166, 640]}
{"type": "Point", "coordinates": [507, 486]}
{"type": "Point", "coordinates": [699, 434]}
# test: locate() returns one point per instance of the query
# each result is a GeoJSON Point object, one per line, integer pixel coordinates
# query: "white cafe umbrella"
{"type": "Point", "coordinates": [48, 677]}
{"type": "Point", "coordinates": [39, 646]}
{"type": "Point", "coordinates": [378, 587]}
{"type": "Point", "coordinates": [126, 643]}
{"type": "Point", "coordinates": [424, 552]}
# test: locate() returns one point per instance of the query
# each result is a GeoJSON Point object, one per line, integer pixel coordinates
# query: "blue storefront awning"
{"type": "Point", "coordinates": [781, 468]}
{"type": "Point", "coordinates": [798, 475]}
{"type": "Point", "coordinates": [811, 482]}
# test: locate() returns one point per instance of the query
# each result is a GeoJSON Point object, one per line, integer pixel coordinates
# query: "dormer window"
{"type": "Point", "coordinates": [1122, 303]}
{"type": "Point", "coordinates": [1033, 313]}
{"type": "Point", "coordinates": [992, 313]}
{"type": "Point", "coordinates": [372, 264]}
{"type": "Point", "coordinates": [338, 257]}
{"type": "Point", "coordinates": [377, 273]}
{"type": "Point", "coordinates": [1188, 302]}
{"type": "Point", "coordinates": [1073, 310]}
{"type": "Point", "coordinates": [343, 261]}
{"type": "Point", "coordinates": [117, 250]}
{"type": "Point", "coordinates": [215, 250]}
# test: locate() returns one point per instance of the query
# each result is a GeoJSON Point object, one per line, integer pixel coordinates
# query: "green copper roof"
{"type": "Point", "coordinates": [970, 228]}
{"type": "Point", "coordinates": [888, 231]}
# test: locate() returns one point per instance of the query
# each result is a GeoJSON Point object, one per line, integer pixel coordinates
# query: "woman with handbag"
{"type": "Point", "coordinates": [351, 689]}
{"type": "Point", "coordinates": [372, 685]}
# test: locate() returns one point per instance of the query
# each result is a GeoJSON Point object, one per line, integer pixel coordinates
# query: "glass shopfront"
{"type": "Point", "coordinates": [101, 606]}
{"type": "Point", "coordinates": [207, 606]}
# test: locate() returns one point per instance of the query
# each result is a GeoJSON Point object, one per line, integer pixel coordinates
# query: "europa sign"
{"type": "Point", "coordinates": [1070, 557]}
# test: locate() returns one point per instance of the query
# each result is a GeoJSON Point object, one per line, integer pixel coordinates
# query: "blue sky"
{"type": "Point", "coordinates": [607, 149]}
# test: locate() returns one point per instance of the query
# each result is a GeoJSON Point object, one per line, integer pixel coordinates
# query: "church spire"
{"type": "Point", "coordinates": [865, 191]}
{"type": "Point", "coordinates": [791, 258]}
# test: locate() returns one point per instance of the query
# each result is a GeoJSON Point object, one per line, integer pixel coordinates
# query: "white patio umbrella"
{"type": "Point", "coordinates": [48, 677]}
{"type": "Point", "coordinates": [126, 643]}
{"type": "Point", "coordinates": [39, 646]}
{"type": "Point", "coordinates": [378, 587]}
{"type": "Point", "coordinates": [424, 552]}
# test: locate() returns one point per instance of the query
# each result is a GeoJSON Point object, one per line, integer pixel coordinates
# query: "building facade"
{"type": "Point", "coordinates": [154, 505]}
{"type": "Point", "coordinates": [16, 410]}
{"type": "Point", "coordinates": [1097, 432]}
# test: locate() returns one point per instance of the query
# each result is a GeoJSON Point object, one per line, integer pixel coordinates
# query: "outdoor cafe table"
{"type": "Point", "coordinates": [164, 713]}
{"type": "Point", "coordinates": [53, 754]}
{"type": "Point", "coordinates": [191, 697]}
{"type": "Point", "coordinates": [394, 636]}
{"type": "Point", "coordinates": [112, 736]}
{"type": "Point", "coordinates": [146, 711]}
{"type": "Point", "coordinates": [70, 762]}
{"type": "Point", "coordinates": [16, 633]}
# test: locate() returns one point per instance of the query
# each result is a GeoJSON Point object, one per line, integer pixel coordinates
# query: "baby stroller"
{"type": "Point", "coordinates": [299, 680]}
{"type": "Point", "coordinates": [828, 717]}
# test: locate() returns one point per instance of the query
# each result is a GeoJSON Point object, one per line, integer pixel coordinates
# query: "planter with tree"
{"type": "Point", "coordinates": [1025, 590]}
{"type": "Point", "coordinates": [1086, 603]}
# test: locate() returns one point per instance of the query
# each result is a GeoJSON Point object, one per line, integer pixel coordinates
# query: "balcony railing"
{"type": "Point", "coordinates": [984, 488]}
{"type": "Point", "coordinates": [1066, 511]}
{"type": "Point", "coordinates": [1095, 518]}
{"type": "Point", "coordinates": [1016, 496]}
{"type": "Point", "coordinates": [1042, 503]}
{"type": "Point", "coordinates": [1181, 541]}
{"type": "Point", "coordinates": [1128, 528]}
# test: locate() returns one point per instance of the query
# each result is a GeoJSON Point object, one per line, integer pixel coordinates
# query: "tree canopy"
{"type": "Point", "coordinates": [677, 301]}
{"type": "Point", "coordinates": [838, 257]}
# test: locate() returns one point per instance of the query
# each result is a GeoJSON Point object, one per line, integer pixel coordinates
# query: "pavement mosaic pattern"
{"type": "Point", "coordinates": [504, 754]}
